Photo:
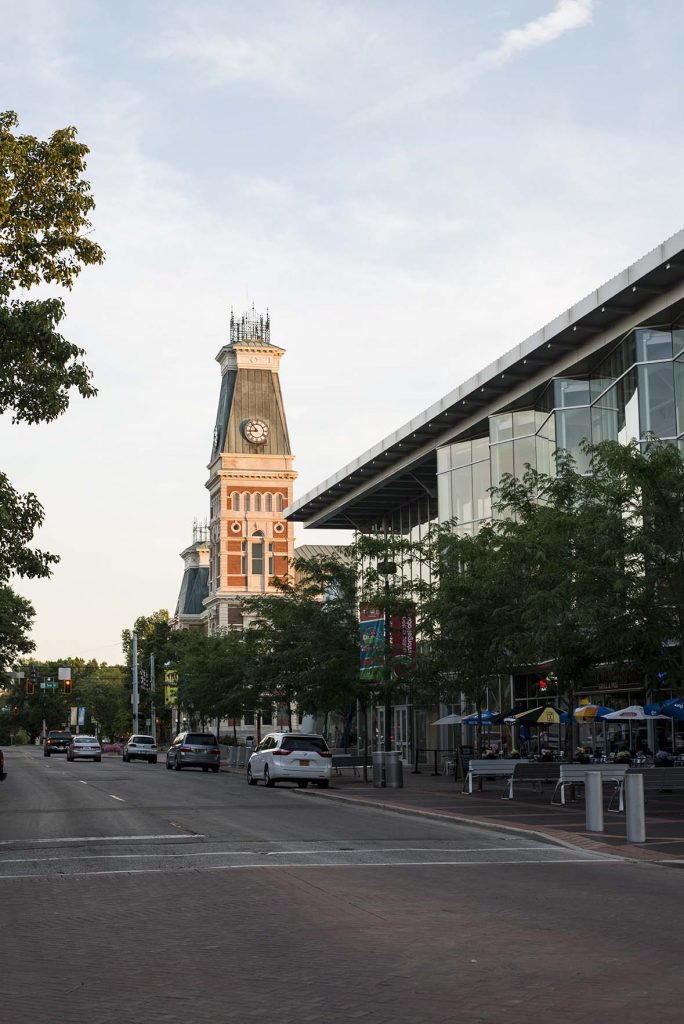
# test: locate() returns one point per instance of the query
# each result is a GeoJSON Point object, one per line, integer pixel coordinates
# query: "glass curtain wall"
{"type": "Point", "coordinates": [636, 391]}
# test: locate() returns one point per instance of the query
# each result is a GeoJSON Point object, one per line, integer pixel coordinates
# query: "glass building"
{"type": "Point", "coordinates": [610, 367]}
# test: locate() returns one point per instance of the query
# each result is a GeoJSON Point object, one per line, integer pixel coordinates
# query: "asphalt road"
{"type": "Point", "coordinates": [133, 893]}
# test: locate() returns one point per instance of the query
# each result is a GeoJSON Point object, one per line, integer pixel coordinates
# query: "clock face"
{"type": "Point", "coordinates": [255, 431]}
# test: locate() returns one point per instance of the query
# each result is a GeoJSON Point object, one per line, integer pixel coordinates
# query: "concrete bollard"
{"type": "Point", "coordinates": [593, 795]}
{"type": "Point", "coordinates": [635, 814]}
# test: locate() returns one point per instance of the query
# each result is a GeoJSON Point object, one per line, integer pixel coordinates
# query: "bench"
{"type": "Point", "coordinates": [532, 773]}
{"type": "Point", "coordinates": [659, 780]}
{"type": "Point", "coordinates": [573, 775]}
{"type": "Point", "coordinates": [484, 768]}
{"type": "Point", "coordinates": [353, 761]}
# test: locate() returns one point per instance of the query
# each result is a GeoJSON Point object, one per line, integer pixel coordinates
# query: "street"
{"type": "Point", "coordinates": [130, 892]}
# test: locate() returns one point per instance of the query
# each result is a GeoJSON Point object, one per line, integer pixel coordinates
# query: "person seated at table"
{"type": "Point", "coordinates": [663, 759]}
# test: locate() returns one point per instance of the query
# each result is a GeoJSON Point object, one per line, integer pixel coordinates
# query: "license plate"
{"type": "Point", "coordinates": [305, 763]}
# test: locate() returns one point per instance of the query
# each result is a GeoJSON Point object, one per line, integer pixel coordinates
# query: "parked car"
{"type": "Point", "coordinates": [57, 742]}
{"type": "Point", "coordinates": [3, 773]}
{"type": "Point", "coordinates": [84, 747]}
{"type": "Point", "coordinates": [300, 757]}
{"type": "Point", "coordinates": [194, 750]}
{"type": "Point", "coordinates": [140, 748]}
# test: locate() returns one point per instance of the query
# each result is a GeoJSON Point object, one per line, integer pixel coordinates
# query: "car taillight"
{"type": "Point", "coordinates": [49, 743]}
{"type": "Point", "coordinates": [324, 753]}
{"type": "Point", "coordinates": [215, 750]}
{"type": "Point", "coordinates": [186, 750]}
{"type": "Point", "coordinates": [281, 752]}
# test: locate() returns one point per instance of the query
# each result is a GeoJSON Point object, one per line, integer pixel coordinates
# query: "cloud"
{"type": "Point", "coordinates": [566, 16]}
{"type": "Point", "coordinates": [277, 56]}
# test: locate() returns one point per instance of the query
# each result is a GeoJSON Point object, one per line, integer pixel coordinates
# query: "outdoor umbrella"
{"type": "Point", "coordinates": [673, 708]}
{"type": "Point", "coordinates": [634, 713]}
{"type": "Point", "coordinates": [449, 720]}
{"type": "Point", "coordinates": [590, 712]}
{"type": "Point", "coordinates": [547, 714]}
{"type": "Point", "coordinates": [486, 718]}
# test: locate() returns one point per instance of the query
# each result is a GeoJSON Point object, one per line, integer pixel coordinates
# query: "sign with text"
{"type": "Point", "coordinates": [170, 675]}
{"type": "Point", "coordinates": [371, 643]}
{"type": "Point", "coordinates": [171, 695]}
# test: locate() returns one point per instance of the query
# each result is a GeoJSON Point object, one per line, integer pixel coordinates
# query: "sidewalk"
{"type": "Point", "coordinates": [441, 797]}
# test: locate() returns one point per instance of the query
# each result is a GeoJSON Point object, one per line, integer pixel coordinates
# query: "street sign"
{"type": "Point", "coordinates": [49, 684]}
{"type": "Point", "coordinates": [170, 676]}
{"type": "Point", "coordinates": [171, 695]}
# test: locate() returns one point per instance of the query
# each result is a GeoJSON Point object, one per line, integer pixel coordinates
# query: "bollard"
{"type": "Point", "coordinates": [635, 817]}
{"type": "Point", "coordinates": [593, 794]}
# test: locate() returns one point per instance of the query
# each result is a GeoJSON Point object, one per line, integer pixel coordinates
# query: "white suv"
{"type": "Point", "coordinates": [300, 757]}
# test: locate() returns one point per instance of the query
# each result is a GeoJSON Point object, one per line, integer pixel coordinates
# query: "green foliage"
{"type": "Point", "coordinates": [16, 616]}
{"type": "Point", "coordinates": [44, 206]}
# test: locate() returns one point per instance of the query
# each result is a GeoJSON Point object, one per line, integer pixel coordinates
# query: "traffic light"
{"type": "Point", "coordinates": [67, 685]}
{"type": "Point", "coordinates": [32, 679]}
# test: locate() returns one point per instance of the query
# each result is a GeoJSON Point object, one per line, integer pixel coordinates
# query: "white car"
{"type": "Point", "coordinates": [84, 746]}
{"type": "Point", "coordinates": [299, 757]}
{"type": "Point", "coordinates": [140, 748]}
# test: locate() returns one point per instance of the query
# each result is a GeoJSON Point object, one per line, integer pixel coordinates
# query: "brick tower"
{"type": "Point", "coordinates": [251, 475]}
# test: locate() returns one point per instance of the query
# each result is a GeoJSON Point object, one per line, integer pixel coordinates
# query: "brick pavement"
{"type": "Point", "coordinates": [440, 796]}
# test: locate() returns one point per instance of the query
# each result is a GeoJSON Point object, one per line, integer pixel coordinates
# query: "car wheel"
{"type": "Point", "coordinates": [251, 781]}
{"type": "Point", "coordinates": [303, 783]}
{"type": "Point", "coordinates": [205, 768]}
{"type": "Point", "coordinates": [168, 764]}
{"type": "Point", "coordinates": [268, 781]}
{"type": "Point", "coordinates": [177, 765]}
{"type": "Point", "coordinates": [125, 758]}
{"type": "Point", "coordinates": [322, 783]}
{"type": "Point", "coordinates": [46, 753]}
{"type": "Point", "coordinates": [215, 769]}
{"type": "Point", "coordinates": [152, 760]}
{"type": "Point", "coordinates": [98, 759]}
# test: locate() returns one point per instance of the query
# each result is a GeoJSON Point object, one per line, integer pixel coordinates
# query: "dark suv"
{"type": "Point", "coordinates": [56, 742]}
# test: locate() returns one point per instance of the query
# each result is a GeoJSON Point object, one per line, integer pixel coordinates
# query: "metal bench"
{"type": "Point", "coordinates": [660, 780]}
{"type": "Point", "coordinates": [484, 768]}
{"type": "Point", "coordinates": [573, 775]}
{"type": "Point", "coordinates": [353, 761]}
{"type": "Point", "coordinates": [532, 773]}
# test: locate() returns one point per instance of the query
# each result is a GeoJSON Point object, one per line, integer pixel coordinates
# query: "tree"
{"type": "Point", "coordinates": [44, 226]}
{"type": "Point", "coordinates": [16, 616]}
{"type": "Point", "coordinates": [468, 615]}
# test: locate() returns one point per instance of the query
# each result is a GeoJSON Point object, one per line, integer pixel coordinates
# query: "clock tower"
{"type": "Point", "coordinates": [251, 475]}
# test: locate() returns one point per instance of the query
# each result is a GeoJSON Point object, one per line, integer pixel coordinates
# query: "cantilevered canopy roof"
{"type": "Point", "coordinates": [403, 466]}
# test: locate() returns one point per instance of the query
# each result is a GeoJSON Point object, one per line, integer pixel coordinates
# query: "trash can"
{"type": "Point", "coordinates": [394, 770]}
{"type": "Point", "coordinates": [378, 768]}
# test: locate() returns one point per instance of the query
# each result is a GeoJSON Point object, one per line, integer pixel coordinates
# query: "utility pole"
{"type": "Point", "coordinates": [135, 695]}
{"type": "Point", "coordinates": [153, 721]}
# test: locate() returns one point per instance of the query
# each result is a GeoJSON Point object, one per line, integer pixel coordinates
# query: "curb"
{"type": "Point", "coordinates": [553, 839]}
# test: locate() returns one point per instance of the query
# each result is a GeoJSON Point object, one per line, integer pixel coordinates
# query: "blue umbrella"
{"type": "Point", "coordinates": [486, 718]}
{"type": "Point", "coordinates": [652, 710]}
{"type": "Point", "coordinates": [673, 708]}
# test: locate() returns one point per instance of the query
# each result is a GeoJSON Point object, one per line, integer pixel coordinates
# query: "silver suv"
{"type": "Point", "coordinates": [140, 748]}
{"type": "Point", "coordinates": [194, 750]}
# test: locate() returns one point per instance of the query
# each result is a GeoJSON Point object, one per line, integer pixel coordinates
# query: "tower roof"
{"type": "Point", "coordinates": [250, 329]}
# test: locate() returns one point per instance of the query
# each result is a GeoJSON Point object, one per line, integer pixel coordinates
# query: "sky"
{"type": "Point", "coordinates": [411, 187]}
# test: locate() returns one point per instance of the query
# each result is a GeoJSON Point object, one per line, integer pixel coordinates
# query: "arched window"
{"type": "Point", "coordinates": [257, 503]}
{"type": "Point", "coordinates": [235, 501]}
{"type": "Point", "coordinates": [248, 502]}
{"type": "Point", "coordinates": [269, 502]}
{"type": "Point", "coordinates": [279, 503]}
{"type": "Point", "coordinates": [257, 553]}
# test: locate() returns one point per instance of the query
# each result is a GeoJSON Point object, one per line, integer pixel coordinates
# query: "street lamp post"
{"type": "Point", "coordinates": [387, 569]}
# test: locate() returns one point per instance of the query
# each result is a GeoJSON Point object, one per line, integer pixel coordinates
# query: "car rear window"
{"type": "Point", "coordinates": [59, 735]}
{"type": "Point", "coordinates": [201, 739]}
{"type": "Point", "coordinates": [304, 743]}
{"type": "Point", "coordinates": [141, 739]}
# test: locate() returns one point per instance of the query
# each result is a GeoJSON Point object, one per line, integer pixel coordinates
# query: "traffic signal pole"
{"type": "Point", "coordinates": [153, 721]}
{"type": "Point", "coordinates": [135, 694]}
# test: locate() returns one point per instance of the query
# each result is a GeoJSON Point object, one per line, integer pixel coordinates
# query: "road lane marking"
{"type": "Point", "coordinates": [117, 798]}
{"type": "Point", "coordinates": [83, 782]}
{"type": "Point", "coordinates": [99, 839]}
{"type": "Point", "coordinates": [332, 864]}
